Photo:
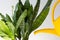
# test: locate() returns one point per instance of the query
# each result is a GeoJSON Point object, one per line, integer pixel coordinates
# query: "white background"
{"type": "Point", "coordinates": [5, 7]}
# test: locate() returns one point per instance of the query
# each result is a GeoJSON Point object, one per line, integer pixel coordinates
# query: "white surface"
{"type": "Point", "coordinates": [5, 7]}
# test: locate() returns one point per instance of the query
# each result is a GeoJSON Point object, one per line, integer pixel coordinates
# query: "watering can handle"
{"type": "Point", "coordinates": [53, 9]}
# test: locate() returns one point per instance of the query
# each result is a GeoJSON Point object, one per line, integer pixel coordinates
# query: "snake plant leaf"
{"type": "Point", "coordinates": [27, 27]}
{"type": "Point", "coordinates": [14, 15]}
{"type": "Point", "coordinates": [36, 8]}
{"type": "Point", "coordinates": [29, 16]}
{"type": "Point", "coordinates": [8, 18]}
{"type": "Point", "coordinates": [41, 17]}
{"type": "Point", "coordinates": [22, 27]}
{"type": "Point", "coordinates": [27, 4]}
{"type": "Point", "coordinates": [3, 17]}
{"type": "Point", "coordinates": [17, 11]}
{"type": "Point", "coordinates": [11, 26]}
{"type": "Point", "coordinates": [20, 2]}
{"type": "Point", "coordinates": [20, 30]}
{"type": "Point", "coordinates": [23, 15]}
{"type": "Point", "coordinates": [30, 12]}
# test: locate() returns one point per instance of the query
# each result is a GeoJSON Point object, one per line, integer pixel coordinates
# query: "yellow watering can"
{"type": "Point", "coordinates": [56, 23]}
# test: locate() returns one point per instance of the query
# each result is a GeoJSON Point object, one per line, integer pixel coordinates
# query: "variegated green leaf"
{"type": "Point", "coordinates": [20, 2]}
{"type": "Point", "coordinates": [3, 17]}
{"type": "Point", "coordinates": [8, 18]}
{"type": "Point", "coordinates": [27, 4]}
{"type": "Point", "coordinates": [17, 11]}
{"type": "Point", "coordinates": [41, 17]}
{"type": "Point", "coordinates": [23, 15]}
{"type": "Point", "coordinates": [36, 8]}
{"type": "Point", "coordinates": [30, 12]}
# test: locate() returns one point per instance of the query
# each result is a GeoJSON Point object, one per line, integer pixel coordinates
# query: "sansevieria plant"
{"type": "Point", "coordinates": [56, 23]}
{"type": "Point", "coordinates": [23, 21]}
